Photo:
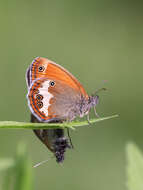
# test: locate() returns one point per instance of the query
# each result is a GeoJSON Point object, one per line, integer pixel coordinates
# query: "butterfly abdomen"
{"type": "Point", "coordinates": [54, 140]}
{"type": "Point", "coordinates": [60, 146]}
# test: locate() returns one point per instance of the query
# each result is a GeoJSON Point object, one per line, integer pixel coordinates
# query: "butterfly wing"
{"type": "Point", "coordinates": [50, 99]}
{"type": "Point", "coordinates": [53, 139]}
{"type": "Point", "coordinates": [44, 68]}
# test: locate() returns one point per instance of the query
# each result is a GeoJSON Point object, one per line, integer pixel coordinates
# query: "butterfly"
{"type": "Point", "coordinates": [55, 95]}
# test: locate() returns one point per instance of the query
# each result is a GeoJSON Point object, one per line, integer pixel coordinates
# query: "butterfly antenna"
{"type": "Point", "coordinates": [43, 162]}
{"type": "Point", "coordinates": [98, 90]}
{"type": "Point", "coordinates": [70, 138]}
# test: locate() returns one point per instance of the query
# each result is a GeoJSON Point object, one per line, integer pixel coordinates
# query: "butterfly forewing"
{"type": "Point", "coordinates": [44, 68]}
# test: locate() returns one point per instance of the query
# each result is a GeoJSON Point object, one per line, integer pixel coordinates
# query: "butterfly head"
{"type": "Point", "coordinates": [86, 104]}
{"type": "Point", "coordinates": [93, 101]}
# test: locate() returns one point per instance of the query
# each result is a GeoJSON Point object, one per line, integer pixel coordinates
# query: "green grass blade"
{"type": "Point", "coordinates": [134, 167]}
{"type": "Point", "coordinates": [6, 164]}
{"type": "Point", "coordinates": [17, 173]}
{"type": "Point", "coordinates": [24, 125]}
{"type": "Point", "coordinates": [23, 170]}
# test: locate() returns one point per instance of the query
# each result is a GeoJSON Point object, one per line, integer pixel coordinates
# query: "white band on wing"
{"type": "Point", "coordinates": [46, 96]}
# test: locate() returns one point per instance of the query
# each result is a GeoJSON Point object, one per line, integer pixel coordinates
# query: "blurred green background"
{"type": "Point", "coordinates": [96, 40]}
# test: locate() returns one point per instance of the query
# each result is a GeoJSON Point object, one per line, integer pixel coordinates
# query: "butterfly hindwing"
{"type": "Point", "coordinates": [52, 99]}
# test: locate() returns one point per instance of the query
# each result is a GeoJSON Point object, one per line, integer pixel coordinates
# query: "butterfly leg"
{"type": "Point", "coordinates": [88, 120]}
{"type": "Point", "coordinates": [71, 144]}
{"type": "Point", "coordinates": [96, 114]}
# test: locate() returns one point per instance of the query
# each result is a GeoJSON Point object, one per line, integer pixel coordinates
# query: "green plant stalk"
{"type": "Point", "coordinates": [72, 125]}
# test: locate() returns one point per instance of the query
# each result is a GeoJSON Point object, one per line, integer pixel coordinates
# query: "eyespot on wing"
{"type": "Point", "coordinates": [39, 99]}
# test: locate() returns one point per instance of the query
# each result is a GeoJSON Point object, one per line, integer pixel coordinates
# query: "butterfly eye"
{"type": "Point", "coordinates": [52, 83]}
{"type": "Point", "coordinates": [40, 104]}
{"type": "Point", "coordinates": [41, 68]}
{"type": "Point", "coordinates": [39, 97]}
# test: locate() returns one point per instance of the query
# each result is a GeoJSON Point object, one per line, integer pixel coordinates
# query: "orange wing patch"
{"type": "Point", "coordinates": [42, 67]}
